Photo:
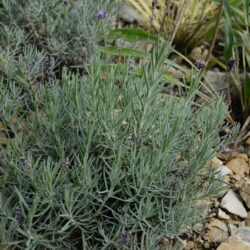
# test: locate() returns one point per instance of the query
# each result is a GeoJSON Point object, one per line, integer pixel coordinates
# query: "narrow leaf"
{"type": "Point", "coordinates": [246, 90]}
{"type": "Point", "coordinates": [229, 35]}
{"type": "Point", "coordinates": [246, 8]}
{"type": "Point", "coordinates": [127, 52]}
{"type": "Point", "coordinates": [132, 35]}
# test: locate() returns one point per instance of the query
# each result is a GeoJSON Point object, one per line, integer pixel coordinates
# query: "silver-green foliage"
{"type": "Point", "coordinates": [104, 161]}
{"type": "Point", "coordinates": [67, 29]}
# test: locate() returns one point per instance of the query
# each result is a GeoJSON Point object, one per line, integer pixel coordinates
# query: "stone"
{"type": "Point", "coordinates": [216, 162]}
{"type": "Point", "coordinates": [232, 229]}
{"type": "Point", "coordinates": [220, 224]}
{"type": "Point", "coordinates": [247, 220]}
{"type": "Point", "coordinates": [206, 245]}
{"type": "Point", "coordinates": [232, 203]}
{"type": "Point", "coordinates": [180, 244]}
{"type": "Point", "coordinates": [239, 166]}
{"type": "Point", "coordinates": [236, 154]}
{"type": "Point", "coordinates": [217, 80]}
{"type": "Point", "coordinates": [233, 243]}
{"type": "Point", "coordinates": [198, 53]}
{"type": "Point", "coordinates": [220, 81]}
{"type": "Point", "coordinates": [248, 141]}
{"type": "Point", "coordinates": [216, 203]}
{"type": "Point", "coordinates": [247, 148]}
{"type": "Point", "coordinates": [217, 231]}
{"type": "Point", "coordinates": [216, 235]}
{"type": "Point", "coordinates": [241, 224]}
{"type": "Point", "coordinates": [175, 73]}
{"type": "Point", "coordinates": [198, 227]}
{"type": "Point", "coordinates": [245, 193]}
{"type": "Point", "coordinates": [200, 240]}
{"type": "Point", "coordinates": [223, 170]}
{"type": "Point", "coordinates": [237, 178]}
{"type": "Point", "coordinates": [223, 215]}
{"type": "Point", "coordinates": [128, 14]}
{"type": "Point", "coordinates": [190, 245]}
{"type": "Point", "coordinates": [243, 233]}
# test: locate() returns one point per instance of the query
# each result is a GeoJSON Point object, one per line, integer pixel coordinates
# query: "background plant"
{"type": "Point", "coordinates": [184, 24]}
{"type": "Point", "coordinates": [184, 20]}
{"type": "Point", "coordinates": [237, 50]}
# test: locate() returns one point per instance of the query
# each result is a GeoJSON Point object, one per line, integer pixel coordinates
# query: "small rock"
{"type": "Point", "coordinates": [243, 233]}
{"type": "Point", "coordinates": [190, 245]}
{"type": "Point", "coordinates": [198, 54]}
{"type": "Point", "coordinates": [217, 231]}
{"type": "Point", "coordinates": [239, 166]}
{"type": "Point", "coordinates": [223, 215]}
{"type": "Point", "coordinates": [237, 178]}
{"type": "Point", "coordinates": [217, 79]}
{"type": "Point", "coordinates": [216, 162]}
{"type": "Point", "coordinates": [175, 73]}
{"type": "Point", "coordinates": [248, 141]}
{"type": "Point", "coordinates": [233, 204]}
{"type": "Point", "coordinates": [237, 184]}
{"type": "Point", "coordinates": [223, 170]}
{"type": "Point", "coordinates": [220, 224]}
{"type": "Point", "coordinates": [247, 150]}
{"type": "Point", "coordinates": [236, 181]}
{"type": "Point", "coordinates": [217, 235]}
{"type": "Point", "coordinates": [247, 220]}
{"type": "Point", "coordinates": [180, 244]}
{"type": "Point", "coordinates": [236, 154]}
{"type": "Point", "coordinates": [206, 245]}
{"type": "Point", "coordinates": [128, 14]}
{"type": "Point", "coordinates": [241, 224]}
{"type": "Point", "coordinates": [232, 229]}
{"type": "Point", "coordinates": [233, 243]}
{"type": "Point", "coordinates": [245, 193]}
{"type": "Point", "coordinates": [198, 227]}
{"type": "Point", "coordinates": [245, 179]}
{"type": "Point", "coordinates": [200, 240]}
{"type": "Point", "coordinates": [216, 203]}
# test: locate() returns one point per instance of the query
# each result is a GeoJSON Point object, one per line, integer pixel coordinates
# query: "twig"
{"type": "Point", "coordinates": [178, 20]}
{"type": "Point", "coordinates": [215, 34]}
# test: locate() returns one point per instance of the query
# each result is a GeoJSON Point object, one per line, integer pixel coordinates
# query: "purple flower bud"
{"type": "Point", "coordinates": [66, 2]}
{"type": "Point", "coordinates": [125, 238]}
{"type": "Point", "coordinates": [200, 64]}
{"type": "Point", "coordinates": [19, 215]}
{"type": "Point", "coordinates": [29, 68]}
{"type": "Point", "coordinates": [230, 64]}
{"type": "Point", "coordinates": [224, 149]}
{"type": "Point", "coordinates": [154, 3]}
{"type": "Point", "coordinates": [23, 160]}
{"type": "Point", "coordinates": [101, 14]}
{"type": "Point", "coordinates": [47, 62]}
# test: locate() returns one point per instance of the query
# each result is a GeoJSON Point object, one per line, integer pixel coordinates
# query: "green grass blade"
{"type": "Point", "coordinates": [127, 52]}
{"type": "Point", "coordinates": [132, 35]}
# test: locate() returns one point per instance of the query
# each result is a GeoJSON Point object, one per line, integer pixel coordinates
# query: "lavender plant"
{"type": "Point", "coordinates": [102, 165]}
